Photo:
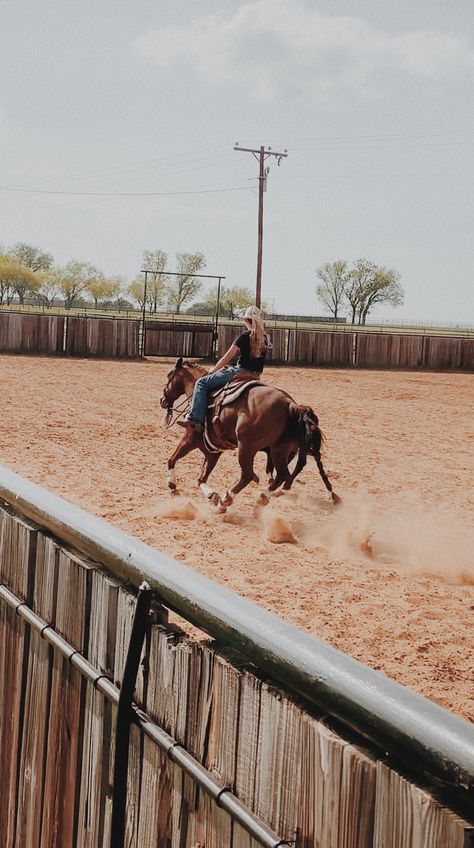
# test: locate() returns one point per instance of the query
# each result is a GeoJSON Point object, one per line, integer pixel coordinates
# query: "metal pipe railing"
{"type": "Point", "coordinates": [434, 745]}
{"type": "Point", "coordinates": [223, 797]}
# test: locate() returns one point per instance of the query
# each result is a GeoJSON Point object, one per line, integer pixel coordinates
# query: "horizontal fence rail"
{"type": "Point", "coordinates": [221, 794]}
{"type": "Point", "coordinates": [431, 743]}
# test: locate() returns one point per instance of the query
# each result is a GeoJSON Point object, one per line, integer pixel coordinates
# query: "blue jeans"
{"type": "Point", "coordinates": [207, 384]}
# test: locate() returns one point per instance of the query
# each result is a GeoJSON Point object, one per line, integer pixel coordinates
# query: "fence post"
{"type": "Point", "coordinates": [125, 715]}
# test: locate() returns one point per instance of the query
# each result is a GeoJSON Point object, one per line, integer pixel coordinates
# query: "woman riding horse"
{"type": "Point", "coordinates": [251, 347]}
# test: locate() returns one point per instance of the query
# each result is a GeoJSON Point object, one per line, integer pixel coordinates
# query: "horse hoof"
{"type": "Point", "coordinates": [263, 499]}
{"type": "Point", "coordinates": [335, 499]}
{"type": "Point", "coordinates": [227, 500]}
{"type": "Point", "coordinates": [220, 509]}
{"type": "Point", "coordinates": [215, 499]}
{"type": "Point", "coordinates": [173, 491]}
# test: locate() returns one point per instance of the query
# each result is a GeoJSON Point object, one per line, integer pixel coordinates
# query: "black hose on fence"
{"type": "Point", "coordinates": [125, 715]}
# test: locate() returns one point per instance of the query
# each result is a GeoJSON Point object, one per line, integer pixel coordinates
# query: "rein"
{"type": "Point", "coordinates": [180, 408]}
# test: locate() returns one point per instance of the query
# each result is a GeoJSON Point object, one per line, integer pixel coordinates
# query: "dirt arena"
{"type": "Point", "coordinates": [387, 577]}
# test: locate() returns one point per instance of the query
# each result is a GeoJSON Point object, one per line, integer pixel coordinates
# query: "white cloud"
{"type": "Point", "coordinates": [275, 44]}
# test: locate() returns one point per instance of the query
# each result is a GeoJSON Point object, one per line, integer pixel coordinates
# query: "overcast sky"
{"type": "Point", "coordinates": [373, 100]}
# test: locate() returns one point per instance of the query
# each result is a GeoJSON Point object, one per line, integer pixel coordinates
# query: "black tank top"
{"type": "Point", "coordinates": [246, 360]}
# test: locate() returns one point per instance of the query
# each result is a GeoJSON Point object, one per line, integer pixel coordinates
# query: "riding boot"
{"type": "Point", "coordinates": [192, 425]}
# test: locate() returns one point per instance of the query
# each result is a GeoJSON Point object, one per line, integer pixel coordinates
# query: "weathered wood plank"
{"type": "Point", "coordinates": [37, 699]}
{"type": "Point", "coordinates": [62, 777]}
{"type": "Point", "coordinates": [407, 817]}
{"type": "Point", "coordinates": [17, 554]}
{"type": "Point", "coordinates": [98, 730]}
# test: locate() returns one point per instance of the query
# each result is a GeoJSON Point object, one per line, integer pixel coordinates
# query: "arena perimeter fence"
{"type": "Point", "coordinates": [260, 736]}
{"type": "Point", "coordinates": [345, 347]}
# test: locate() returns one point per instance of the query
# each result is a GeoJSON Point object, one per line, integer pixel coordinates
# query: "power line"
{"type": "Point", "coordinates": [137, 165]}
{"type": "Point", "coordinates": [122, 193]}
{"type": "Point", "coordinates": [373, 136]}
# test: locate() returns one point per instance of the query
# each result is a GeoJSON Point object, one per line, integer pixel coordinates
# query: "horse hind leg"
{"type": "Point", "coordinates": [280, 460]}
{"type": "Point", "coordinates": [246, 457]}
{"type": "Point", "coordinates": [300, 464]}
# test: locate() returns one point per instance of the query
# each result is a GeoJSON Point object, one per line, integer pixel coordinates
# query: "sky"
{"type": "Point", "coordinates": [118, 122]}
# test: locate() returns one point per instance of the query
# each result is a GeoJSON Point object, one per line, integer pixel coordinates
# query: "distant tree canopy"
{"type": "Point", "coordinates": [232, 301]}
{"type": "Point", "coordinates": [31, 257]}
{"type": "Point", "coordinates": [16, 279]}
{"type": "Point", "coordinates": [357, 289]}
{"type": "Point", "coordinates": [183, 288]}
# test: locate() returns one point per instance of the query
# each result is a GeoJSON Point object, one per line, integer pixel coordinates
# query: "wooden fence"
{"type": "Point", "coordinates": [179, 340]}
{"type": "Point", "coordinates": [218, 750]}
{"type": "Point", "coordinates": [22, 332]}
{"type": "Point", "coordinates": [113, 337]}
{"type": "Point", "coordinates": [25, 333]}
{"type": "Point", "coordinates": [335, 349]}
{"type": "Point", "coordinates": [108, 337]}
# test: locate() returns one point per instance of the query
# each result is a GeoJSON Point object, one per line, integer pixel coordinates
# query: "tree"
{"type": "Point", "coordinates": [154, 261]}
{"type": "Point", "coordinates": [334, 278]}
{"type": "Point", "coordinates": [383, 288]}
{"type": "Point", "coordinates": [182, 289]}
{"type": "Point", "coordinates": [49, 287]}
{"type": "Point", "coordinates": [136, 290]}
{"type": "Point", "coordinates": [74, 278]}
{"type": "Point", "coordinates": [31, 257]}
{"type": "Point", "coordinates": [7, 278]}
{"type": "Point", "coordinates": [236, 299]}
{"type": "Point", "coordinates": [103, 288]}
{"type": "Point", "coordinates": [359, 281]}
{"type": "Point", "coordinates": [15, 278]}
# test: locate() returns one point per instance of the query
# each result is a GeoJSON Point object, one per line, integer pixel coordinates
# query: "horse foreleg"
{"type": "Point", "coordinates": [186, 445]}
{"type": "Point", "coordinates": [209, 464]}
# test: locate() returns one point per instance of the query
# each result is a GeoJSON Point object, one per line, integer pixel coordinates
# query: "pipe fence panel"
{"type": "Point", "coordinates": [206, 724]}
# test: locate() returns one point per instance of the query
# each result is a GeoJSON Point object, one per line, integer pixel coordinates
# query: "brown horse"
{"type": "Point", "coordinates": [263, 418]}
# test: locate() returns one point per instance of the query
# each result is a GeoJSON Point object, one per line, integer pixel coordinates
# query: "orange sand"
{"type": "Point", "coordinates": [388, 577]}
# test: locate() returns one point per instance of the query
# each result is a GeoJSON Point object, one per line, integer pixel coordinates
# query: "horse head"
{"type": "Point", "coordinates": [180, 381]}
{"type": "Point", "coordinates": [174, 388]}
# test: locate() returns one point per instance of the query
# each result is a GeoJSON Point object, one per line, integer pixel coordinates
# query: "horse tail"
{"type": "Point", "coordinates": [311, 439]}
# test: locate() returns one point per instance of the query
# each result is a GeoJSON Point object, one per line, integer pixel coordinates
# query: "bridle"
{"type": "Point", "coordinates": [168, 404]}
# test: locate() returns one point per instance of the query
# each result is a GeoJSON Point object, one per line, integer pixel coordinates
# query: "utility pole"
{"type": "Point", "coordinates": [261, 154]}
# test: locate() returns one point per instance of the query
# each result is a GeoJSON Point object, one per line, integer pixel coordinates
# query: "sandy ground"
{"type": "Point", "coordinates": [388, 577]}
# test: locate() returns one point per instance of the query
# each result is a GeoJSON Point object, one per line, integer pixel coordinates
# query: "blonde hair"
{"type": "Point", "coordinates": [259, 341]}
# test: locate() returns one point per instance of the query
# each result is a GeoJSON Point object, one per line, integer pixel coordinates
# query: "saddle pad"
{"type": "Point", "coordinates": [233, 393]}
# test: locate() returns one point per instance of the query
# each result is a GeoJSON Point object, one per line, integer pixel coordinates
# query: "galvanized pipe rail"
{"type": "Point", "coordinates": [436, 747]}
{"type": "Point", "coordinates": [223, 796]}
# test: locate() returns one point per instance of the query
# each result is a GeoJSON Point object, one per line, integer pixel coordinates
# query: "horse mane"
{"type": "Point", "coordinates": [195, 366]}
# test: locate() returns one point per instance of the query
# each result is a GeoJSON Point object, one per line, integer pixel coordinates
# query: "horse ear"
{"type": "Point", "coordinates": [179, 362]}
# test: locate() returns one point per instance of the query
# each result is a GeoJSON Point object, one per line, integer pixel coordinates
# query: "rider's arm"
{"type": "Point", "coordinates": [224, 360]}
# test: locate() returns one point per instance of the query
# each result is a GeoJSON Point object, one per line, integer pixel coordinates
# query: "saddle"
{"type": "Point", "coordinates": [223, 397]}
